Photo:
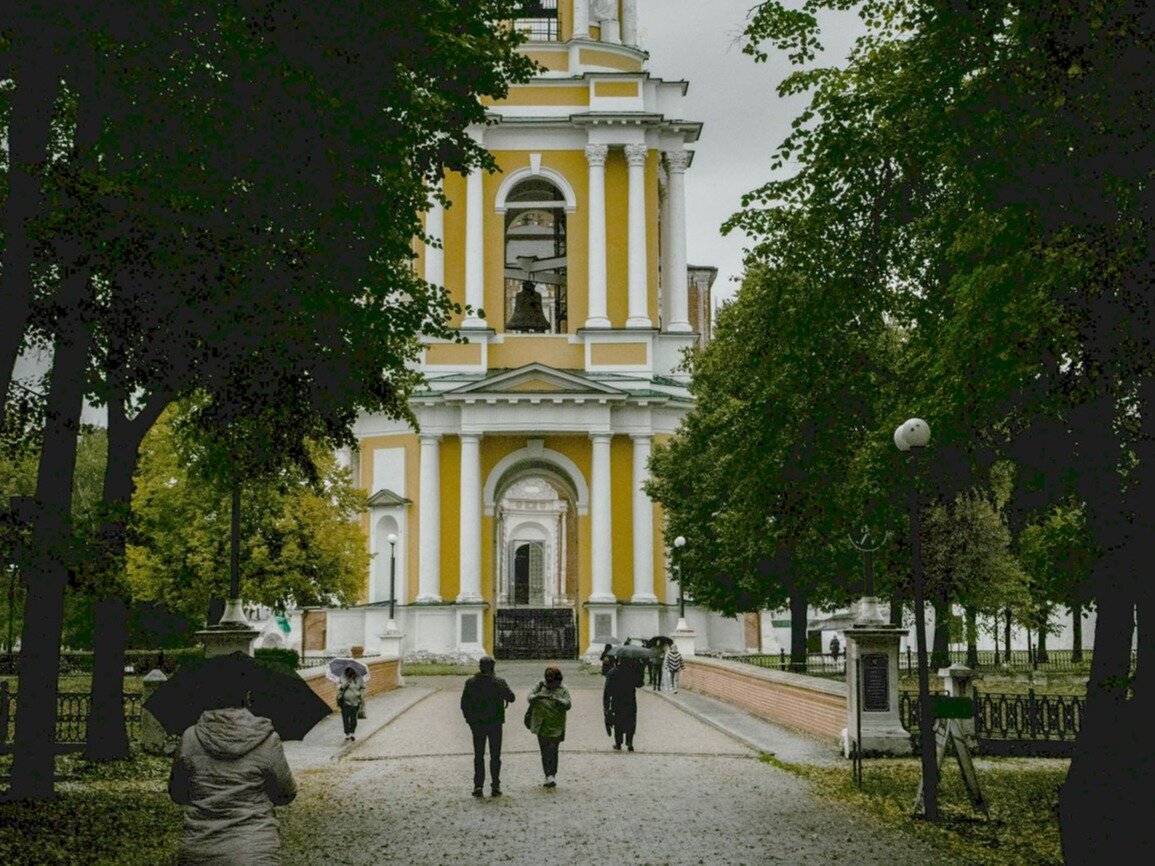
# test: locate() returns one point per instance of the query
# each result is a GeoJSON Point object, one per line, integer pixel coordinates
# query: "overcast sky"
{"type": "Point", "coordinates": [734, 98]}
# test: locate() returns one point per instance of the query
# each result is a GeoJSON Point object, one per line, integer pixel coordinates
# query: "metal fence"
{"type": "Point", "coordinates": [816, 665]}
{"type": "Point", "coordinates": [72, 712]}
{"type": "Point", "coordinates": [1054, 660]}
{"type": "Point", "coordinates": [136, 662]}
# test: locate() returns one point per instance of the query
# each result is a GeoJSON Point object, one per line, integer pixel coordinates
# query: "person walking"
{"type": "Point", "coordinates": [835, 647]}
{"type": "Point", "coordinates": [673, 664]}
{"type": "Point", "coordinates": [483, 702]}
{"type": "Point", "coordinates": [229, 772]}
{"type": "Point", "coordinates": [621, 700]}
{"type": "Point", "coordinates": [654, 665]}
{"type": "Point", "coordinates": [549, 702]}
{"type": "Point", "coordinates": [350, 699]}
{"type": "Point", "coordinates": [606, 659]}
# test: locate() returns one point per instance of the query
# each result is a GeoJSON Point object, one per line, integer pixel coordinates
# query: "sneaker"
{"type": "Point", "coordinates": [477, 792]}
{"type": "Point", "coordinates": [495, 791]}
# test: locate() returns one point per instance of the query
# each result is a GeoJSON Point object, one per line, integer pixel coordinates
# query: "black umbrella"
{"type": "Point", "coordinates": [661, 639]}
{"type": "Point", "coordinates": [276, 693]}
{"type": "Point", "coordinates": [631, 651]}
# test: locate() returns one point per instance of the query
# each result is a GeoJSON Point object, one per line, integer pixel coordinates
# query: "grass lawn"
{"type": "Point", "coordinates": [1023, 794]}
{"type": "Point", "coordinates": [105, 815]}
{"type": "Point", "coordinates": [434, 669]}
{"type": "Point", "coordinates": [1014, 683]}
{"type": "Point", "coordinates": [79, 683]}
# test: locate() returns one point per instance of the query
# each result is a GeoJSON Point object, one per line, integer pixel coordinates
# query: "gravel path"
{"type": "Point", "coordinates": [688, 795]}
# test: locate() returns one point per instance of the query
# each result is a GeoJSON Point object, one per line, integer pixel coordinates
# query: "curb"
{"type": "Point", "coordinates": [714, 723]}
{"type": "Point", "coordinates": [348, 746]}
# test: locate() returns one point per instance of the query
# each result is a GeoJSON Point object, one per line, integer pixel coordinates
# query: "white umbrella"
{"type": "Point", "coordinates": [335, 669]}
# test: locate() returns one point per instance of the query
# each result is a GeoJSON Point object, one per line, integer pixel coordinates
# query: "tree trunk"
{"type": "Point", "coordinates": [34, 759]}
{"type": "Point", "coordinates": [896, 607]}
{"type": "Point", "coordinates": [37, 70]}
{"type": "Point", "coordinates": [1007, 634]}
{"type": "Point", "coordinates": [107, 727]}
{"type": "Point", "coordinates": [972, 625]}
{"type": "Point", "coordinates": [798, 620]}
{"type": "Point", "coordinates": [995, 635]}
{"type": "Point", "coordinates": [940, 648]}
{"type": "Point", "coordinates": [1041, 644]}
{"type": "Point", "coordinates": [1077, 633]}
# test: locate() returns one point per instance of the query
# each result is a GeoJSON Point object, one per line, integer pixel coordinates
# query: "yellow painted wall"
{"type": "Point", "coordinates": [618, 353]}
{"type": "Point", "coordinates": [450, 517]}
{"type": "Point", "coordinates": [556, 351]}
{"type": "Point", "coordinates": [622, 494]}
{"type": "Point", "coordinates": [617, 238]}
{"type": "Point", "coordinates": [593, 57]}
{"type": "Point", "coordinates": [453, 353]}
{"type": "Point", "coordinates": [455, 241]}
{"type": "Point", "coordinates": [539, 94]}
{"type": "Point", "coordinates": [615, 88]}
{"type": "Point", "coordinates": [557, 61]}
{"type": "Point", "coordinates": [412, 446]}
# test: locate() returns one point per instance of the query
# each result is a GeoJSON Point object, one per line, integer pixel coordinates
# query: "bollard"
{"type": "Point", "coordinates": [153, 738]}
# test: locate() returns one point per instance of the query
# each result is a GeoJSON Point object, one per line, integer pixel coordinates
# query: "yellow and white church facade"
{"type": "Point", "coordinates": [514, 521]}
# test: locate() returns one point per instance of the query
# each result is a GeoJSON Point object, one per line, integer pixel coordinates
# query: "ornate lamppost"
{"type": "Point", "coordinates": [679, 543]}
{"type": "Point", "coordinates": [912, 436]}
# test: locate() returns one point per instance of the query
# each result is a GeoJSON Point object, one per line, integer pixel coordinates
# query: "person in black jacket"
{"type": "Point", "coordinates": [483, 703]}
{"type": "Point", "coordinates": [621, 702]}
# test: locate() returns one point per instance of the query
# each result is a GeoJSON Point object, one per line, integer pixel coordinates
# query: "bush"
{"type": "Point", "coordinates": [279, 656]}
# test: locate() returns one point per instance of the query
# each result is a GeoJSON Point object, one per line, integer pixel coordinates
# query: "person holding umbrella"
{"type": "Point", "coordinates": [350, 698]}
{"type": "Point", "coordinates": [549, 702]}
{"type": "Point", "coordinates": [621, 700]}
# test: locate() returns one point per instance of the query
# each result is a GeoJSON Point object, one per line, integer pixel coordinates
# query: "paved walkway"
{"type": "Point", "coordinates": [693, 792]}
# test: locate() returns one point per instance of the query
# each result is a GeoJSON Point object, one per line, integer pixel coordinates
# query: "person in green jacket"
{"type": "Point", "coordinates": [549, 702]}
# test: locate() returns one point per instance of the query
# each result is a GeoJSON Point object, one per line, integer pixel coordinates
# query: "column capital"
{"type": "Point", "coordinates": [470, 437]}
{"type": "Point", "coordinates": [430, 438]}
{"type": "Point", "coordinates": [677, 160]}
{"type": "Point", "coordinates": [600, 436]}
{"type": "Point", "coordinates": [596, 154]}
{"type": "Point", "coordinates": [642, 438]}
{"type": "Point", "coordinates": [636, 154]}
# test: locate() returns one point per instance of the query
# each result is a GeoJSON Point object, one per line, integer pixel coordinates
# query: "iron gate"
{"type": "Point", "coordinates": [535, 633]}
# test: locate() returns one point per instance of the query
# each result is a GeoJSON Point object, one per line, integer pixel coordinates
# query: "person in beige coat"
{"type": "Point", "coordinates": [229, 773]}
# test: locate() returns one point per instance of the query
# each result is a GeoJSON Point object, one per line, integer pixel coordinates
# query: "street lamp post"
{"type": "Point", "coordinates": [392, 539]}
{"type": "Point", "coordinates": [679, 543]}
{"type": "Point", "coordinates": [913, 436]}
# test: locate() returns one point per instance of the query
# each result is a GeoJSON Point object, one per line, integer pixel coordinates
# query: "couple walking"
{"type": "Point", "coordinates": [483, 703]}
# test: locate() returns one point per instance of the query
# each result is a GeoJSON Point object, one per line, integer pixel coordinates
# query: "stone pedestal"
{"type": "Point", "coordinates": [153, 738]}
{"type": "Point", "coordinates": [875, 645]}
{"type": "Point", "coordinates": [390, 646]}
{"type": "Point", "coordinates": [959, 680]}
{"type": "Point", "coordinates": [232, 634]}
{"type": "Point", "coordinates": [601, 623]}
{"type": "Point", "coordinates": [470, 618]}
{"type": "Point", "coordinates": [684, 638]}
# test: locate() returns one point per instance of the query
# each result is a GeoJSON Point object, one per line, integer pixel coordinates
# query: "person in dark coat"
{"type": "Point", "coordinates": [607, 659]}
{"type": "Point", "coordinates": [621, 701]}
{"type": "Point", "coordinates": [483, 703]}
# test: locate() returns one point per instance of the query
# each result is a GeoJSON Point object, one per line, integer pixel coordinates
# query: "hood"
{"type": "Point", "coordinates": [231, 732]}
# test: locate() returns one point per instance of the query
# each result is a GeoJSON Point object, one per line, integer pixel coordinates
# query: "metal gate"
{"type": "Point", "coordinates": [535, 633]}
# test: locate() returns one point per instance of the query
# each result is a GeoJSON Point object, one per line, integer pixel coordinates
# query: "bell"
{"type": "Point", "coordinates": [527, 314]}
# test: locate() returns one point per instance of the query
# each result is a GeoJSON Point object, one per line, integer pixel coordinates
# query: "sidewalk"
{"type": "Point", "coordinates": [784, 743]}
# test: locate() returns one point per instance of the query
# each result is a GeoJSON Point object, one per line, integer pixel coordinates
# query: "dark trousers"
{"type": "Point", "coordinates": [349, 718]}
{"type": "Point", "coordinates": [548, 746]}
{"type": "Point", "coordinates": [481, 733]}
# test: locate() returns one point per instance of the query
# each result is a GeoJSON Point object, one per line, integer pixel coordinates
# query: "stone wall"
{"type": "Point", "coordinates": [383, 676]}
{"type": "Point", "coordinates": [815, 706]}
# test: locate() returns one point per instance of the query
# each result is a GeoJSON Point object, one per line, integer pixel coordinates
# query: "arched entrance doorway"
{"type": "Point", "coordinates": [535, 553]}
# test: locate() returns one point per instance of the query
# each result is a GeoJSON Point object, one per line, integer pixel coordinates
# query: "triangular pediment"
{"type": "Point", "coordinates": [534, 378]}
{"type": "Point", "coordinates": [386, 498]}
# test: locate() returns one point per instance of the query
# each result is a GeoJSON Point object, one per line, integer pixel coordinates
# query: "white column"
{"type": "Point", "coordinates": [601, 520]}
{"type": "Point", "coordinates": [643, 525]}
{"type": "Point", "coordinates": [676, 161]}
{"type": "Point", "coordinates": [470, 518]}
{"type": "Point", "coordinates": [474, 250]}
{"type": "Point", "coordinates": [435, 256]}
{"type": "Point", "coordinates": [636, 159]}
{"type": "Point", "coordinates": [596, 315]}
{"type": "Point", "coordinates": [581, 19]}
{"type": "Point", "coordinates": [429, 521]}
{"type": "Point", "coordinates": [630, 22]}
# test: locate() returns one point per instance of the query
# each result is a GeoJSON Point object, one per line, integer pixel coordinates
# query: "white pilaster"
{"type": "Point", "coordinates": [596, 156]}
{"type": "Point", "coordinates": [664, 247]}
{"type": "Point", "coordinates": [601, 521]}
{"type": "Point", "coordinates": [636, 159]}
{"type": "Point", "coordinates": [630, 22]}
{"type": "Point", "coordinates": [643, 525]}
{"type": "Point", "coordinates": [678, 294]}
{"type": "Point", "coordinates": [581, 19]}
{"type": "Point", "coordinates": [474, 250]}
{"type": "Point", "coordinates": [435, 256]}
{"type": "Point", "coordinates": [429, 521]}
{"type": "Point", "coordinates": [470, 518]}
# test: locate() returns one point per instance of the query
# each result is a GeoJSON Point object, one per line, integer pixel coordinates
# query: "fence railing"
{"type": "Point", "coordinates": [136, 662]}
{"type": "Point", "coordinates": [816, 665]}
{"type": "Point", "coordinates": [1000, 716]}
{"type": "Point", "coordinates": [826, 665]}
{"type": "Point", "coordinates": [72, 712]}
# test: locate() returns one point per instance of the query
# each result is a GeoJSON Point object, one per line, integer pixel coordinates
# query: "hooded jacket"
{"type": "Point", "coordinates": [229, 773]}
{"type": "Point", "coordinates": [547, 718]}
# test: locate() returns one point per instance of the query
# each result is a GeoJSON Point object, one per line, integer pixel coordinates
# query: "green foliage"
{"type": "Point", "coordinates": [278, 656]}
{"type": "Point", "coordinates": [301, 543]}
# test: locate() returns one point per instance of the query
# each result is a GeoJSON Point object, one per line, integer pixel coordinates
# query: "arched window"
{"type": "Point", "coordinates": [535, 256]}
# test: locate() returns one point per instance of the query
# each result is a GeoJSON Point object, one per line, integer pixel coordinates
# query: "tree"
{"type": "Point", "coordinates": [192, 260]}
{"type": "Point", "coordinates": [302, 542]}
